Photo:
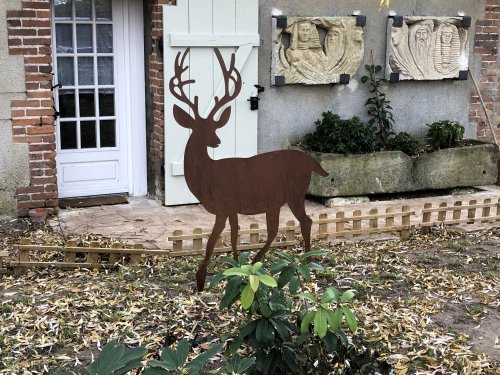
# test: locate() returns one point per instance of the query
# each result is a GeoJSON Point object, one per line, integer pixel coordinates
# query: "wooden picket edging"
{"type": "Point", "coordinates": [339, 226]}
{"type": "Point", "coordinates": [3, 260]}
{"type": "Point", "coordinates": [92, 252]}
{"type": "Point", "coordinates": [457, 209]}
{"type": "Point", "coordinates": [354, 226]}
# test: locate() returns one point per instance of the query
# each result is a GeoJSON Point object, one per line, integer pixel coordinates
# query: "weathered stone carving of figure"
{"type": "Point", "coordinates": [422, 46]}
{"type": "Point", "coordinates": [355, 49]}
{"type": "Point", "coordinates": [447, 52]}
{"type": "Point", "coordinates": [305, 55]}
{"type": "Point", "coordinates": [335, 44]}
{"type": "Point", "coordinates": [401, 60]}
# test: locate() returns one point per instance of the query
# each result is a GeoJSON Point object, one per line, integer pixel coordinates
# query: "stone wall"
{"type": "Point", "coordinates": [14, 172]}
{"type": "Point", "coordinates": [31, 113]}
{"type": "Point", "coordinates": [287, 113]}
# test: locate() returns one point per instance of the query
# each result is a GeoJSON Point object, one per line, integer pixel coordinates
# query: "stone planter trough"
{"type": "Point", "coordinates": [395, 172]}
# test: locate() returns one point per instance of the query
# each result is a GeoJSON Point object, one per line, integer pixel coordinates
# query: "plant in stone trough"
{"type": "Point", "coordinates": [340, 136]}
{"type": "Point", "coordinates": [445, 134]}
{"type": "Point", "coordinates": [285, 334]}
{"type": "Point", "coordinates": [406, 143]}
{"type": "Point", "coordinates": [378, 107]}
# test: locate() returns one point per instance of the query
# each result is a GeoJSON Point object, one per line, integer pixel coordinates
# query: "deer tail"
{"type": "Point", "coordinates": [319, 169]}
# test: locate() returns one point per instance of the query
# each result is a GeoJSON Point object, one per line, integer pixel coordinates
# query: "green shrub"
{"type": "Point", "coordinates": [404, 142]}
{"type": "Point", "coordinates": [289, 331]}
{"type": "Point", "coordinates": [445, 134]}
{"type": "Point", "coordinates": [337, 136]}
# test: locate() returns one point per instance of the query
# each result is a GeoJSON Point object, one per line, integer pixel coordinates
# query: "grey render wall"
{"type": "Point", "coordinates": [287, 113]}
{"type": "Point", "coordinates": [14, 159]}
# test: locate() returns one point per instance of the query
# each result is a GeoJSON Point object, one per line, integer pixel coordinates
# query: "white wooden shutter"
{"type": "Point", "coordinates": [201, 25]}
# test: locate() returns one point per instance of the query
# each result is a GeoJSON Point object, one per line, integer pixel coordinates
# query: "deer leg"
{"type": "Point", "coordinates": [201, 274]}
{"type": "Point", "coordinates": [233, 222]}
{"type": "Point", "coordinates": [305, 221]}
{"type": "Point", "coordinates": [272, 220]}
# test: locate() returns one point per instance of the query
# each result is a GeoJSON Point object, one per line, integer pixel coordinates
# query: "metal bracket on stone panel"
{"type": "Point", "coordinates": [279, 81]}
{"type": "Point", "coordinates": [345, 78]}
{"type": "Point", "coordinates": [281, 22]}
{"type": "Point", "coordinates": [394, 78]}
{"type": "Point", "coordinates": [360, 20]}
{"type": "Point", "coordinates": [463, 75]}
{"type": "Point", "coordinates": [227, 187]}
{"type": "Point", "coordinates": [466, 21]}
{"type": "Point", "coordinates": [397, 21]}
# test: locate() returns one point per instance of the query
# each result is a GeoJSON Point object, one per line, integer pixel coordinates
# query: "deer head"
{"type": "Point", "coordinates": [204, 128]}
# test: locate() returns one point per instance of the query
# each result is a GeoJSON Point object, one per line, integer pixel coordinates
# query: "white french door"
{"type": "Point", "coordinates": [99, 68]}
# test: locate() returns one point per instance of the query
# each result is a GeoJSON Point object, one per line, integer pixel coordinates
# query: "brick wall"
{"type": "Point", "coordinates": [29, 35]}
{"type": "Point", "coordinates": [486, 45]}
{"type": "Point", "coordinates": [156, 125]}
{"type": "Point", "coordinates": [156, 100]}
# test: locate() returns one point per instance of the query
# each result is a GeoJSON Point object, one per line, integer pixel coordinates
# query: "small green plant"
{"type": "Point", "coordinates": [379, 108]}
{"type": "Point", "coordinates": [404, 142]}
{"type": "Point", "coordinates": [235, 365]}
{"type": "Point", "coordinates": [323, 317]}
{"type": "Point", "coordinates": [255, 278]}
{"type": "Point", "coordinates": [115, 359]}
{"type": "Point", "coordinates": [175, 362]}
{"type": "Point", "coordinates": [445, 134]}
{"type": "Point", "coordinates": [339, 136]}
{"type": "Point", "coordinates": [276, 314]}
{"type": "Point", "coordinates": [292, 267]}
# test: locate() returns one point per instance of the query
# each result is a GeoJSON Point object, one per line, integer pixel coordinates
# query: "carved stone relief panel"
{"type": "Point", "coordinates": [315, 50]}
{"type": "Point", "coordinates": [427, 48]}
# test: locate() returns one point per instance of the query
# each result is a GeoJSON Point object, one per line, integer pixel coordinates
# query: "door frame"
{"type": "Point", "coordinates": [135, 91]}
{"type": "Point", "coordinates": [130, 97]}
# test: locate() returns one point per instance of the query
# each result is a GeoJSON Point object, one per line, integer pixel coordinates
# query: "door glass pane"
{"type": "Point", "coordinates": [67, 103]}
{"type": "Point", "coordinates": [63, 9]}
{"type": "Point", "coordinates": [65, 71]}
{"type": "Point", "coordinates": [64, 38]}
{"type": "Point", "coordinates": [107, 133]}
{"type": "Point", "coordinates": [106, 102]}
{"type": "Point", "coordinates": [85, 70]}
{"type": "Point", "coordinates": [84, 38]}
{"type": "Point", "coordinates": [105, 70]}
{"type": "Point", "coordinates": [103, 10]}
{"type": "Point", "coordinates": [104, 38]}
{"type": "Point", "coordinates": [88, 134]}
{"type": "Point", "coordinates": [68, 135]}
{"type": "Point", "coordinates": [83, 9]}
{"type": "Point", "coordinates": [87, 103]}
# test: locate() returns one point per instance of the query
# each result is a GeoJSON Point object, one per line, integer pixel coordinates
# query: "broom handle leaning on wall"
{"type": "Point", "coordinates": [484, 107]}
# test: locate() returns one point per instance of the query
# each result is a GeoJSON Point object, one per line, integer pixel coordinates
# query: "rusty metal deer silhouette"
{"type": "Point", "coordinates": [232, 186]}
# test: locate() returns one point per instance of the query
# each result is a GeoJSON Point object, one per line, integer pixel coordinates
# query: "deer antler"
{"type": "Point", "coordinates": [228, 76]}
{"type": "Point", "coordinates": [177, 84]}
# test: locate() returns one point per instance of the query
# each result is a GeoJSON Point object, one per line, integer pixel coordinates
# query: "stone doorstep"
{"type": "Point", "coordinates": [101, 200]}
